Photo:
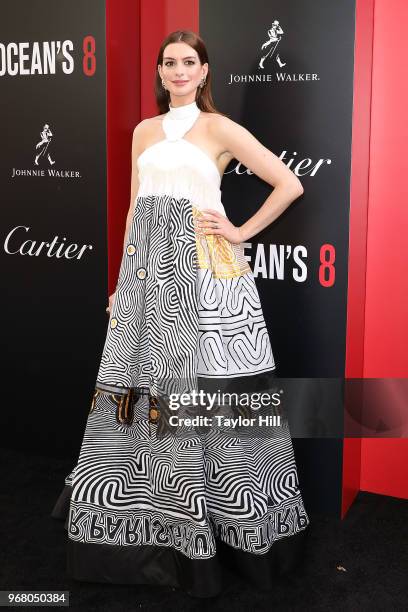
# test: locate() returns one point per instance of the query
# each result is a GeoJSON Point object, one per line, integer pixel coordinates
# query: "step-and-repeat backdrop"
{"type": "Point", "coordinates": [284, 70]}
{"type": "Point", "coordinates": [53, 217]}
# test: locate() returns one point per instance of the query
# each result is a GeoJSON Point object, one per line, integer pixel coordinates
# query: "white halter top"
{"type": "Point", "coordinates": [177, 167]}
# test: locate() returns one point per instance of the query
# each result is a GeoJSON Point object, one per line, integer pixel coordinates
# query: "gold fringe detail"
{"type": "Point", "coordinates": [216, 253]}
{"type": "Point", "coordinates": [154, 412]}
{"type": "Point", "coordinates": [95, 395]}
{"type": "Point", "coordinates": [124, 413]}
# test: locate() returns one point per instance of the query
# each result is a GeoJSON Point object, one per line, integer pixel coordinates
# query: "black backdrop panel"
{"type": "Point", "coordinates": [54, 252]}
{"type": "Point", "coordinates": [299, 105]}
{"type": "Point", "coordinates": [284, 70]}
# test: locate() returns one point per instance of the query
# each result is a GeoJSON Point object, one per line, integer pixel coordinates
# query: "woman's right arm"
{"type": "Point", "coordinates": [137, 148]}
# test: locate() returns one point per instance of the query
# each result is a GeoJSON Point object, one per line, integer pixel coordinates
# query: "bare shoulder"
{"type": "Point", "coordinates": [143, 126]}
{"type": "Point", "coordinates": [216, 118]}
{"type": "Point", "coordinates": [140, 128]}
{"type": "Point", "coordinates": [142, 133]}
{"type": "Point", "coordinates": [227, 133]}
{"type": "Point", "coordinates": [224, 126]}
{"type": "Point", "coordinates": [156, 118]}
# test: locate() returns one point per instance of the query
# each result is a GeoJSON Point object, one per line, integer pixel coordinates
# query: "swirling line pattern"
{"type": "Point", "coordinates": [175, 316]}
{"type": "Point", "coordinates": [132, 488]}
{"type": "Point", "coordinates": [153, 327]}
{"type": "Point", "coordinates": [186, 305]}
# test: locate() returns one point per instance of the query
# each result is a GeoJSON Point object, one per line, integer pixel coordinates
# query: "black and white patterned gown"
{"type": "Point", "coordinates": [163, 509]}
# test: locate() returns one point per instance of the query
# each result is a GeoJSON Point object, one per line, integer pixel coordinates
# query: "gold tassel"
{"type": "Point", "coordinates": [120, 409]}
{"type": "Point", "coordinates": [119, 405]}
{"type": "Point", "coordinates": [128, 399]}
{"type": "Point", "coordinates": [154, 412]}
{"type": "Point", "coordinates": [95, 395]}
{"type": "Point", "coordinates": [125, 407]}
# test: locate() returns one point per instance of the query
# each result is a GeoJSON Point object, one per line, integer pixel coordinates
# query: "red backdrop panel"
{"type": "Point", "coordinates": [378, 296]}
{"type": "Point", "coordinates": [383, 462]}
{"type": "Point", "coordinates": [123, 113]}
{"type": "Point", "coordinates": [360, 156]}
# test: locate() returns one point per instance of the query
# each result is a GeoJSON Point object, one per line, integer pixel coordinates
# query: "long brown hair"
{"type": "Point", "coordinates": [204, 99]}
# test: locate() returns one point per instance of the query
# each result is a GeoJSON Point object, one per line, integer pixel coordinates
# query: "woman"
{"type": "Point", "coordinates": [150, 500]}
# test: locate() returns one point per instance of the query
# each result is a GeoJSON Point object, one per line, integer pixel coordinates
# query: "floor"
{"type": "Point", "coordinates": [355, 564]}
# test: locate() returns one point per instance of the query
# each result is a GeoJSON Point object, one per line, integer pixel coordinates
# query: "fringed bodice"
{"type": "Point", "coordinates": [176, 166]}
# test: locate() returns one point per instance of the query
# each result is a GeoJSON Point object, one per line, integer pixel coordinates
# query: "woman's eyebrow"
{"type": "Point", "coordinates": [188, 57]}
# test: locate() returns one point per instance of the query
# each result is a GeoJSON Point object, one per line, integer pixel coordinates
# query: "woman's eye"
{"type": "Point", "coordinates": [170, 62]}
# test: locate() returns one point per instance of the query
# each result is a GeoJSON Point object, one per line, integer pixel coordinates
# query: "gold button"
{"type": "Point", "coordinates": [131, 249]}
{"type": "Point", "coordinates": [141, 273]}
{"type": "Point", "coordinates": [153, 414]}
{"type": "Point", "coordinates": [113, 323]}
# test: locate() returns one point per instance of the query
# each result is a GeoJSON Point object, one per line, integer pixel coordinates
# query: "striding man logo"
{"type": "Point", "coordinates": [275, 35]}
{"type": "Point", "coordinates": [44, 144]}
